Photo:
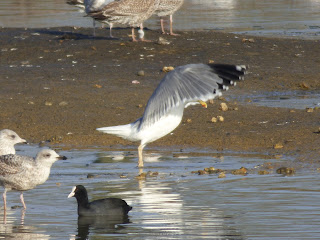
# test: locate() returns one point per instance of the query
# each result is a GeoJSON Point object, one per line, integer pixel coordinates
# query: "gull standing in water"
{"type": "Point", "coordinates": [186, 85]}
{"type": "Point", "coordinates": [127, 12]}
{"type": "Point", "coordinates": [168, 8]}
{"type": "Point", "coordinates": [21, 173]}
{"type": "Point", "coordinates": [8, 139]}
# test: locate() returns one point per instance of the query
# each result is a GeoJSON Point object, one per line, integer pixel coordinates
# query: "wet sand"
{"type": "Point", "coordinates": [59, 84]}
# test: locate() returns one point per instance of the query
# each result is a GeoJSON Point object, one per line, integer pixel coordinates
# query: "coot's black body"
{"type": "Point", "coordinates": [114, 207]}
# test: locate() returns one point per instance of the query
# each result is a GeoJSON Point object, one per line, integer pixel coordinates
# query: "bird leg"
{"type": "Point", "coordinates": [22, 201]}
{"type": "Point", "coordinates": [111, 25]}
{"type": "Point", "coordinates": [140, 161]}
{"type": "Point", "coordinates": [203, 104]}
{"type": "Point", "coordinates": [162, 25]}
{"type": "Point", "coordinates": [141, 34]}
{"type": "Point", "coordinates": [171, 30]}
{"type": "Point", "coordinates": [4, 199]}
{"type": "Point", "coordinates": [133, 36]}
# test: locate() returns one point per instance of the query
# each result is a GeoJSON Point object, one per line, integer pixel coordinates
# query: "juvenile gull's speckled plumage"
{"type": "Point", "coordinates": [168, 8]}
{"type": "Point", "coordinates": [184, 86]}
{"type": "Point", "coordinates": [21, 173]}
{"type": "Point", "coordinates": [8, 139]}
{"type": "Point", "coordinates": [127, 12]}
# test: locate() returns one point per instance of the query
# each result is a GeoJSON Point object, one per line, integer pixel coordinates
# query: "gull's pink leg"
{"type": "Point", "coordinates": [22, 201]}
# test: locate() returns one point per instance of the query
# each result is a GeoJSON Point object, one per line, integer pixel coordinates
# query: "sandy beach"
{"type": "Point", "coordinates": [60, 84]}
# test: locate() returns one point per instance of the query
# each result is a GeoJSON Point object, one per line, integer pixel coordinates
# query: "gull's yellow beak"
{"type": "Point", "coordinates": [203, 104]}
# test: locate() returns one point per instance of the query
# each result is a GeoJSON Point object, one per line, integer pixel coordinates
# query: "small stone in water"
{"type": "Point", "coordinates": [241, 171]}
{"type": "Point", "coordinates": [286, 170]}
{"type": "Point", "coordinates": [222, 175]}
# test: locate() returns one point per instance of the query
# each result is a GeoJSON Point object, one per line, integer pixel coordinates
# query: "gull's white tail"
{"type": "Point", "coordinates": [123, 131]}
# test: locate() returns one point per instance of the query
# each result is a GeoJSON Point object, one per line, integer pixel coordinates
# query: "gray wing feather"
{"type": "Point", "coordinates": [183, 85]}
{"type": "Point", "coordinates": [13, 164]}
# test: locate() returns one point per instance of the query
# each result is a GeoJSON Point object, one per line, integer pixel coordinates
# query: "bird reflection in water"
{"type": "Point", "coordinates": [105, 224]}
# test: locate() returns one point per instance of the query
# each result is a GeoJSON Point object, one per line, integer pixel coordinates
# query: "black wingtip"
{"type": "Point", "coordinates": [230, 74]}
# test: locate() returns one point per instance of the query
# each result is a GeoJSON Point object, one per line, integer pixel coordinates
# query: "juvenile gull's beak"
{"type": "Point", "coordinates": [62, 158]}
{"type": "Point", "coordinates": [203, 104]}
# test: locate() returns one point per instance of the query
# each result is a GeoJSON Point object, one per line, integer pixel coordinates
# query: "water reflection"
{"type": "Point", "coordinates": [12, 227]}
{"type": "Point", "coordinates": [281, 17]}
{"type": "Point", "coordinates": [175, 204]}
{"type": "Point", "coordinates": [99, 224]}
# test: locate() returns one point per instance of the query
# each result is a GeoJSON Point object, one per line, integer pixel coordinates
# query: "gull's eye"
{"type": "Point", "coordinates": [13, 136]}
{"type": "Point", "coordinates": [48, 155]}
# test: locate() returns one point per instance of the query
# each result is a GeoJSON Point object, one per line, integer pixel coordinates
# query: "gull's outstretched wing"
{"type": "Point", "coordinates": [187, 84]}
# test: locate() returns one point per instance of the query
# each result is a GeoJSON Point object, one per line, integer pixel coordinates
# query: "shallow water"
{"type": "Point", "coordinates": [299, 18]}
{"type": "Point", "coordinates": [289, 99]}
{"type": "Point", "coordinates": [176, 204]}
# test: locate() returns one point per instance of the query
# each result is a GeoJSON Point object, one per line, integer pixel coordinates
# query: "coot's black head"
{"type": "Point", "coordinates": [79, 192]}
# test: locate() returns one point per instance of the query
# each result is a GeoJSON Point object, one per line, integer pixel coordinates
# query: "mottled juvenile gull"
{"type": "Point", "coordinates": [186, 85]}
{"type": "Point", "coordinates": [168, 8]}
{"type": "Point", "coordinates": [21, 173]}
{"type": "Point", "coordinates": [127, 12]}
{"type": "Point", "coordinates": [107, 206]}
{"type": "Point", "coordinates": [8, 139]}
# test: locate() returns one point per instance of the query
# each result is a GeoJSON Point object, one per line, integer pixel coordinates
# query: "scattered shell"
{"type": "Point", "coordinates": [304, 86]}
{"type": "Point", "coordinates": [210, 61]}
{"type": "Point", "coordinates": [278, 146]}
{"type": "Point", "coordinates": [94, 48]}
{"type": "Point", "coordinates": [162, 41]}
{"type": "Point", "coordinates": [140, 106]}
{"type": "Point", "coordinates": [63, 103]}
{"type": "Point", "coordinates": [214, 119]}
{"type": "Point", "coordinates": [223, 107]}
{"type": "Point", "coordinates": [220, 118]}
{"type": "Point", "coordinates": [189, 120]}
{"type": "Point", "coordinates": [286, 170]}
{"type": "Point", "coordinates": [250, 40]}
{"type": "Point", "coordinates": [135, 82]}
{"type": "Point", "coordinates": [140, 73]}
{"type": "Point", "coordinates": [97, 86]}
{"type": "Point", "coordinates": [211, 101]}
{"type": "Point", "coordinates": [167, 69]}
{"type": "Point", "coordinates": [47, 103]}
{"type": "Point", "coordinates": [309, 110]}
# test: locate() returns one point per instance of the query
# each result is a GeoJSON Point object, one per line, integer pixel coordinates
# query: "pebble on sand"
{"type": "Point", "coordinates": [223, 107]}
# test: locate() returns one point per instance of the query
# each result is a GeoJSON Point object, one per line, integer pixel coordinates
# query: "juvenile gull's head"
{"type": "Point", "coordinates": [8, 139]}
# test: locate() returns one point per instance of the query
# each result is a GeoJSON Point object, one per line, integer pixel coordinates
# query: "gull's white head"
{"type": "Point", "coordinates": [8, 139]}
{"type": "Point", "coordinates": [48, 157]}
